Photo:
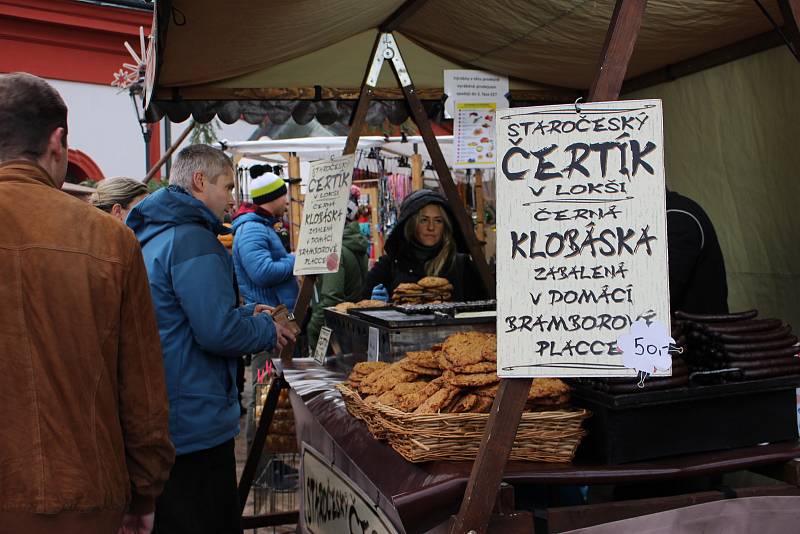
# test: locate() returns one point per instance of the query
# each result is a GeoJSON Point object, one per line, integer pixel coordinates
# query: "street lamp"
{"type": "Point", "coordinates": [135, 92]}
{"type": "Point", "coordinates": [131, 77]}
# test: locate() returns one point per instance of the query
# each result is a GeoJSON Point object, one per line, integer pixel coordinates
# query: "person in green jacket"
{"type": "Point", "coordinates": [345, 284]}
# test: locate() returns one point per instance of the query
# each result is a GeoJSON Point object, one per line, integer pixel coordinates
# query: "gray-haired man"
{"type": "Point", "coordinates": [203, 333]}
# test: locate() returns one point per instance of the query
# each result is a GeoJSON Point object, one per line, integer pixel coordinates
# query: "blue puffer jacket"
{"type": "Point", "coordinates": [202, 330]}
{"type": "Point", "coordinates": [263, 267]}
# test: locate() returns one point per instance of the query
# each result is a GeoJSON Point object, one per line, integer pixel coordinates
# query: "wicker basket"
{"type": "Point", "coordinates": [365, 412]}
{"type": "Point", "coordinates": [541, 436]}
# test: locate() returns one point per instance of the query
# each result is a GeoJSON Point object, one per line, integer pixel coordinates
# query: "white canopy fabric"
{"type": "Point", "coordinates": [315, 148]}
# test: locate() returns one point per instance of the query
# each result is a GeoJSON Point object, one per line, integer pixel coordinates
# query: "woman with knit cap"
{"type": "Point", "coordinates": [424, 242]}
{"type": "Point", "coordinates": [263, 265]}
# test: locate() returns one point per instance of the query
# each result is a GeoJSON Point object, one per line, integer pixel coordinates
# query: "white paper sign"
{"type": "Point", "coordinates": [324, 211]}
{"type": "Point", "coordinates": [334, 504]}
{"type": "Point", "coordinates": [373, 344]}
{"type": "Point", "coordinates": [581, 235]}
{"type": "Point", "coordinates": [473, 86]}
{"type": "Point", "coordinates": [321, 350]}
{"type": "Point", "coordinates": [473, 135]}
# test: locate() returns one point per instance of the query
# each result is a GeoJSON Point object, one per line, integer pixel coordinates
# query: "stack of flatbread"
{"type": "Point", "coordinates": [429, 290]}
{"type": "Point", "coordinates": [344, 306]}
{"type": "Point", "coordinates": [458, 376]}
{"type": "Point", "coordinates": [362, 370]}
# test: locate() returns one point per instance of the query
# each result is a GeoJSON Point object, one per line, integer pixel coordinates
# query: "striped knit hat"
{"type": "Point", "coordinates": [266, 188]}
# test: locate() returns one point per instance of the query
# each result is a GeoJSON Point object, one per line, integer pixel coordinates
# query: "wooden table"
{"type": "Point", "coordinates": [421, 496]}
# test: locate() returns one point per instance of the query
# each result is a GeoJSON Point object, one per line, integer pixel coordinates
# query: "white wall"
{"type": "Point", "coordinates": [102, 125]}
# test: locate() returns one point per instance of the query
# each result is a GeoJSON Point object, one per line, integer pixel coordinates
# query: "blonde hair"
{"type": "Point", "coordinates": [442, 262]}
{"type": "Point", "coordinates": [117, 191]}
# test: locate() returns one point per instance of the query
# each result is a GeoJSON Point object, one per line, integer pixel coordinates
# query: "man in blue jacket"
{"type": "Point", "coordinates": [263, 265]}
{"type": "Point", "coordinates": [203, 333]}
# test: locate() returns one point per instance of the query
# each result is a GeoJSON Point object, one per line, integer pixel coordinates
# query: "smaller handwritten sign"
{"type": "Point", "coordinates": [321, 350]}
{"type": "Point", "coordinates": [324, 210]}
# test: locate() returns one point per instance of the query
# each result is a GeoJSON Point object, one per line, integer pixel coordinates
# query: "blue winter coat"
{"type": "Point", "coordinates": [203, 332]}
{"type": "Point", "coordinates": [263, 267]}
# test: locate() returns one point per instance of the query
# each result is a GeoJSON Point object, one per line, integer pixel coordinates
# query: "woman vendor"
{"type": "Point", "coordinates": [424, 242]}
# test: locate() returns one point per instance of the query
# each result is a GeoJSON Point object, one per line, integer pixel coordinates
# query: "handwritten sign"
{"type": "Point", "coordinates": [332, 503]}
{"type": "Point", "coordinates": [473, 86]}
{"type": "Point", "coordinates": [324, 210]}
{"type": "Point", "coordinates": [321, 350]}
{"type": "Point", "coordinates": [581, 235]}
{"type": "Point", "coordinates": [473, 135]}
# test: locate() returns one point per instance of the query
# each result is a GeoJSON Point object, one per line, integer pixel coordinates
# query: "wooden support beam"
{"type": "Point", "coordinates": [300, 311]}
{"type": "Point", "coordinates": [790, 9]}
{"type": "Point", "coordinates": [490, 465]}
{"type": "Point", "coordinates": [720, 56]}
{"type": "Point", "coordinates": [374, 205]}
{"type": "Point", "coordinates": [554, 95]}
{"type": "Point", "coordinates": [365, 96]}
{"type": "Point", "coordinates": [416, 172]}
{"type": "Point", "coordinates": [480, 226]}
{"type": "Point", "coordinates": [296, 201]}
{"type": "Point", "coordinates": [617, 50]}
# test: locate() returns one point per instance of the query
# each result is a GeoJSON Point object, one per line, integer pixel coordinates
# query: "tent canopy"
{"type": "Point", "coordinates": [318, 49]}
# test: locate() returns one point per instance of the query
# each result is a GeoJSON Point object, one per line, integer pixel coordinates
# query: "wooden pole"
{"type": "Point", "coordinates": [416, 172]}
{"type": "Point", "coordinates": [790, 9]}
{"type": "Point", "coordinates": [377, 246]}
{"type": "Point", "coordinates": [152, 172]}
{"type": "Point", "coordinates": [501, 428]}
{"type": "Point", "coordinates": [237, 192]}
{"type": "Point", "coordinates": [480, 227]}
{"type": "Point", "coordinates": [295, 202]}
{"type": "Point", "coordinates": [461, 187]}
{"type": "Point", "coordinates": [617, 50]}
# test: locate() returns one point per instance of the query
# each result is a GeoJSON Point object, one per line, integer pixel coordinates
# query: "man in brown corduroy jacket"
{"type": "Point", "coordinates": [84, 440]}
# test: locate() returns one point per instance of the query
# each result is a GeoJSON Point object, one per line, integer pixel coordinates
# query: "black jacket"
{"type": "Point", "coordinates": [697, 280]}
{"type": "Point", "coordinates": [400, 265]}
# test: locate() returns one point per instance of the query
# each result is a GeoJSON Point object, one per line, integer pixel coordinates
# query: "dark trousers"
{"type": "Point", "coordinates": [201, 495]}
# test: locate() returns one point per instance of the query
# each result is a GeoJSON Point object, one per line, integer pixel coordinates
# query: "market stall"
{"type": "Point", "coordinates": [511, 394]}
{"type": "Point", "coordinates": [387, 169]}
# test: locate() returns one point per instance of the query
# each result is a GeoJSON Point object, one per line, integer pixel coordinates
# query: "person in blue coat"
{"type": "Point", "coordinates": [203, 333]}
{"type": "Point", "coordinates": [263, 265]}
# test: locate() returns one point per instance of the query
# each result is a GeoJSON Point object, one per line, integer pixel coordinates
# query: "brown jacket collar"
{"type": "Point", "coordinates": [23, 169]}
